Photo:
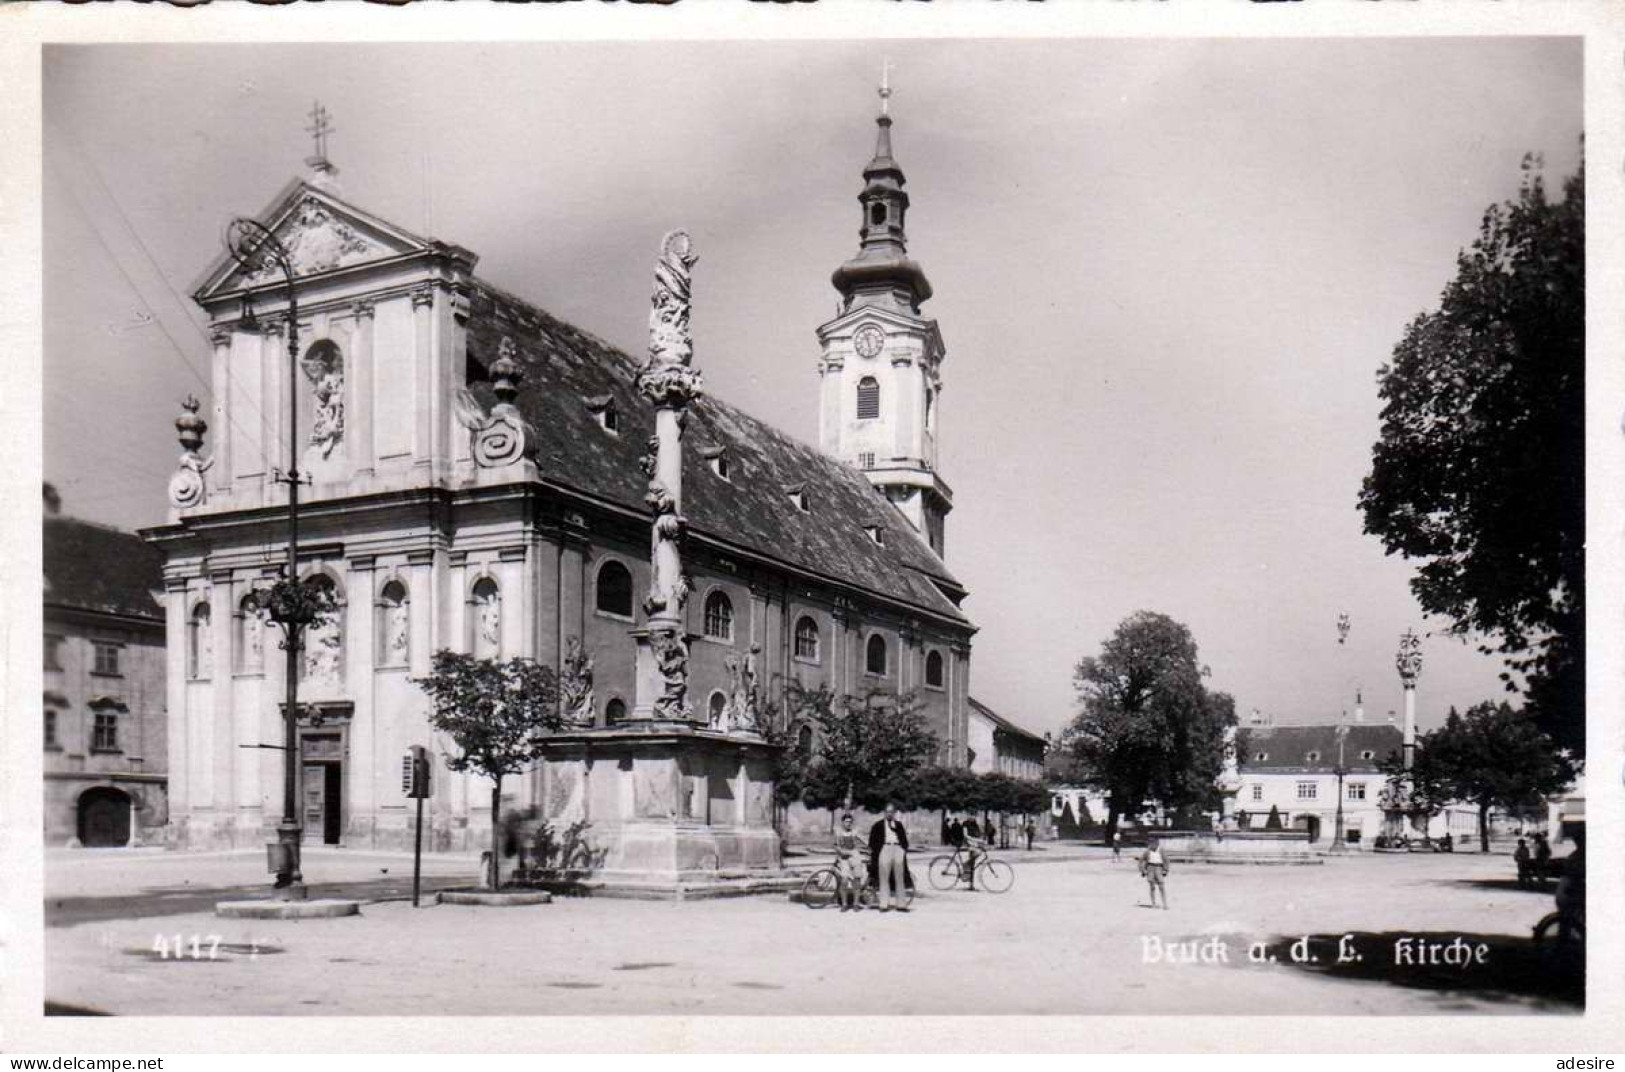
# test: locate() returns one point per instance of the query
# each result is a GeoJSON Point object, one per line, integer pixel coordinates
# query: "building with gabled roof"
{"type": "Point", "coordinates": [104, 727]}
{"type": "Point", "coordinates": [475, 482]}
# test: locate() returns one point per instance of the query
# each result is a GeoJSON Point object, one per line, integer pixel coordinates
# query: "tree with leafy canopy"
{"type": "Point", "coordinates": [1493, 756]}
{"type": "Point", "coordinates": [1479, 468]}
{"type": "Point", "coordinates": [1148, 727]}
{"type": "Point", "coordinates": [868, 746]}
{"type": "Point", "coordinates": [497, 713]}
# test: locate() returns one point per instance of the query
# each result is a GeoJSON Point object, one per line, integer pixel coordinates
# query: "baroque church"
{"type": "Point", "coordinates": [471, 481]}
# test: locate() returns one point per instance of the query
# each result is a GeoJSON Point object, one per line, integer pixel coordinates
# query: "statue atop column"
{"type": "Point", "coordinates": [670, 382]}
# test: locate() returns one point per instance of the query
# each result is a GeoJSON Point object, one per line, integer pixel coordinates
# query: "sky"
{"type": "Point", "coordinates": [1167, 273]}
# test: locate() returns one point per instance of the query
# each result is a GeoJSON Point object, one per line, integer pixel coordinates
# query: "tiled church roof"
{"type": "Point", "coordinates": [569, 378]}
{"type": "Point", "coordinates": [1287, 749]}
{"type": "Point", "coordinates": [97, 568]}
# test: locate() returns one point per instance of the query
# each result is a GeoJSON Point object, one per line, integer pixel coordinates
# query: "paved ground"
{"type": "Point", "coordinates": [1069, 938]}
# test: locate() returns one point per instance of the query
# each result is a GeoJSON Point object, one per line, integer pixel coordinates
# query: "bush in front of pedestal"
{"type": "Point", "coordinates": [497, 712]}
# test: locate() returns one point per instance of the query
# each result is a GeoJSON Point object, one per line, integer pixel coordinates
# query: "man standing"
{"type": "Point", "coordinates": [888, 846]}
{"type": "Point", "coordinates": [1543, 859]}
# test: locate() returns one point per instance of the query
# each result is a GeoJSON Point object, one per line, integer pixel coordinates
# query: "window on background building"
{"type": "Point", "coordinates": [53, 652]}
{"type": "Point", "coordinates": [615, 710]}
{"type": "Point", "coordinates": [807, 639]}
{"type": "Point", "coordinates": [875, 656]}
{"type": "Point", "coordinates": [104, 736]}
{"type": "Point", "coordinates": [719, 616]}
{"type": "Point", "coordinates": [1356, 790]}
{"type": "Point", "coordinates": [933, 669]}
{"type": "Point", "coordinates": [51, 742]}
{"type": "Point", "coordinates": [1258, 792]}
{"type": "Point", "coordinates": [866, 459]}
{"type": "Point", "coordinates": [868, 398]}
{"type": "Point", "coordinates": [394, 625]}
{"type": "Point", "coordinates": [107, 659]}
{"type": "Point", "coordinates": [614, 594]}
{"type": "Point", "coordinates": [1307, 791]}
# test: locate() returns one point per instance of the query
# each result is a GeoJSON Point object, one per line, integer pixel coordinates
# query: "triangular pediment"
{"type": "Point", "coordinates": [321, 234]}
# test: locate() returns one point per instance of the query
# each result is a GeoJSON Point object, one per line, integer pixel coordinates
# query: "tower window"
{"type": "Point", "coordinates": [877, 214]}
{"type": "Point", "coordinates": [875, 655]}
{"type": "Point", "coordinates": [933, 670]}
{"type": "Point", "coordinates": [614, 594]}
{"type": "Point", "coordinates": [807, 639]}
{"type": "Point", "coordinates": [868, 398]}
{"type": "Point", "coordinates": [719, 616]}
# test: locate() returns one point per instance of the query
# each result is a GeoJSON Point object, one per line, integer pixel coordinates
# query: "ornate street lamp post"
{"type": "Point", "coordinates": [289, 603]}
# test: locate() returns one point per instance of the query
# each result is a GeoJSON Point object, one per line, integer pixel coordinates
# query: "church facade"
{"type": "Point", "coordinates": [471, 481]}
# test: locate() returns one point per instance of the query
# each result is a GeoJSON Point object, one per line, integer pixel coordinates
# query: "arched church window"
{"type": "Point", "coordinates": [807, 639]}
{"type": "Point", "coordinates": [719, 616]}
{"type": "Point", "coordinates": [875, 656]}
{"type": "Point", "coordinates": [868, 398]}
{"type": "Point", "coordinates": [614, 595]}
{"type": "Point", "coordinates": [394, 626]}
{"type": "Point", "coordinates": [250, 623]}
{"type": "Point", "coordinates": [324, 642]}
{"type": "Point", "coordinates": [200, 642]}
{"type": "Point", "coordinates": [486, 619]}
{"type": "Point", "coordinates": [933, 669]}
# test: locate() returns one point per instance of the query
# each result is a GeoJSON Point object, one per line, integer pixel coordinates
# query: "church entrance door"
{"type": "Point", "coordinates": [323, 788]}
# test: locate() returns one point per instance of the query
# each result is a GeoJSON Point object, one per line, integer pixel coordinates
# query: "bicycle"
{"type": "Point", "coordinates": [822, 888]}
{"type": "Point", "coordinates": [1552, 926]}
{"type": "Point", "coordinates": [947, 872]}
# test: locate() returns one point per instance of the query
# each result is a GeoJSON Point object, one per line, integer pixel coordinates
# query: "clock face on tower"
{"type": "Point", "coordinates": [868, 340]}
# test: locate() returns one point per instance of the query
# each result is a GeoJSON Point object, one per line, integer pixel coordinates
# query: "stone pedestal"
{"type": "Point", "coordinates": [661, 809]}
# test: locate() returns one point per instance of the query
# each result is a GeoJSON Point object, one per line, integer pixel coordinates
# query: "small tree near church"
{"type": "Point", "coordinates": [497, 713]}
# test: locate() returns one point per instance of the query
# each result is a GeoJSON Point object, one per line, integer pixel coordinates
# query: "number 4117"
{"type": "Point", "coordinates": [176, 947]}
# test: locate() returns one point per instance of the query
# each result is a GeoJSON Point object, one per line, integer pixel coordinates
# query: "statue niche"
{"type": "Point", "coordinates": [323, 366]}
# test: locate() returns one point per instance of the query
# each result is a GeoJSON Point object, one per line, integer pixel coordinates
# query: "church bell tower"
{"type": "Point", "coordinates": [881, 363]}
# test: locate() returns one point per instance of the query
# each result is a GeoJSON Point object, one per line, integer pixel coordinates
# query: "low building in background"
{"type": "Point", "coordinates": [104, 732]}
{"type": "Point", "coordinates": [994, 743]}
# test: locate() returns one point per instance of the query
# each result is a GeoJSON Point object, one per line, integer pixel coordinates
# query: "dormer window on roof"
{"type": "Point", "coordinates": [1259, 757]}
{"type": "Point", "coordinates": [798, 495]}
{"type": "Point", "coordinates": [603, 407]}
{"type": "Point", "coordinates": [1368, 754]}
{"type": "Point", "coordinates": [876, 532]}
{"type": "Point", "coordinates": [1312, 757]}
{"type": "Point", "coordinates": [717, 459]}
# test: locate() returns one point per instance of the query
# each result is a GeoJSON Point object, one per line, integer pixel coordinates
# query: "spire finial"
{"type": "Point", "coordinates": [319, 128]}
{"type": "Point", "coordinates": [885, 85]}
